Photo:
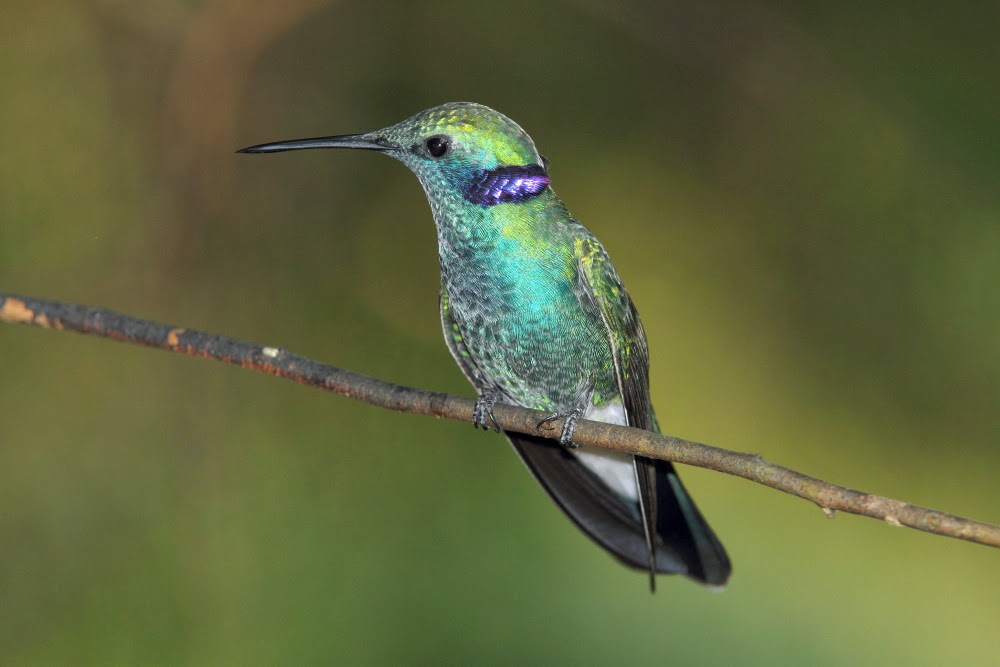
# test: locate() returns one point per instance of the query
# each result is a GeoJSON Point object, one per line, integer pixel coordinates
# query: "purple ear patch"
{"type": "Point", "coordinates": [506, 184]}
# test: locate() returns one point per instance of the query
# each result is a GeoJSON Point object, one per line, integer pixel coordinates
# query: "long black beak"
{"type": "Point", "coordinates": [367, 142]}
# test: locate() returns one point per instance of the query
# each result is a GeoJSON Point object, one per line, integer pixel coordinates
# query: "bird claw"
{"type": "Point", "coordinates": [483, 411]}
{"type": "Point", "coordinates": [569, 426]}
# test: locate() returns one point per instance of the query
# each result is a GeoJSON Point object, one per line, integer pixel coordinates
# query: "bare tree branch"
{"type": "Point", "coordinates": [275, 361]}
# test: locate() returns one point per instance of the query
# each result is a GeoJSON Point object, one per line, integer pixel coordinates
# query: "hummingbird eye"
{"type": "Point", "coordinates": [438, 145]}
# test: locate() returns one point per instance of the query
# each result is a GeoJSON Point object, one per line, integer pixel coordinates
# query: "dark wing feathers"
{"type": "Point", "coordinates": [672, 524]}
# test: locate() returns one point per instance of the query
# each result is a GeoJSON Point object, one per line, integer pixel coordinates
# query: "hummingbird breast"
{"type": "Point", "coordinates": [515, 295]}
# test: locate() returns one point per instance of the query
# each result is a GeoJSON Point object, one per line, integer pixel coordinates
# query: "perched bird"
{"type": "Point", "coordinates": [535, 315]}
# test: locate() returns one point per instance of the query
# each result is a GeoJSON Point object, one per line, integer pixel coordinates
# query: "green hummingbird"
{"type": "Point", "coordinates": [535, 315]}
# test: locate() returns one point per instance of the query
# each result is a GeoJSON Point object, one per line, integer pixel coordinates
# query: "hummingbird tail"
{"type": "Point", "coordinates": [683, 529]}
{"type": "Point", "coordinates": [685, 544]}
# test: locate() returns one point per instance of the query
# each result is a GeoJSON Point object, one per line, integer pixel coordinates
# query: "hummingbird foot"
{"type": "Point", "coordinates": [569, 426]}
{"type": "Point", "coordinates": [483, 411]}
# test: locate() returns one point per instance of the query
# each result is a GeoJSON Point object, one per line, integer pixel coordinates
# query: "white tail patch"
{"type": "Point", "coordinates": [616, 469]}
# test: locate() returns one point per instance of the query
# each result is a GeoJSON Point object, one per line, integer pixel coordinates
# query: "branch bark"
{"type": "Point", "coordinates": [276, 361]}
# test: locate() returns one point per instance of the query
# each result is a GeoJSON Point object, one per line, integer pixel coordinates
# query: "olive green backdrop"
{"type": "Point", "coordinates": [804, 205]}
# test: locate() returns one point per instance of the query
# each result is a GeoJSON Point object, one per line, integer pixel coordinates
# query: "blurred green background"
{"type": "Point", "coordinates": [803, 202]}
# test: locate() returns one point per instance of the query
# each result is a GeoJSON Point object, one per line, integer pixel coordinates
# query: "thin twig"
{"type": "Point", "coordinates": [275, 361]}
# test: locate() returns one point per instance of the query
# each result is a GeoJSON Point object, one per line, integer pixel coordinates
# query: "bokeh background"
{"type": "Point", "coordinates": [803, 202]}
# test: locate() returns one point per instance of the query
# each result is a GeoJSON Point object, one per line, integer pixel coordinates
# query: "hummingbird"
{"type": "Point", "coordinates": [535, 315]}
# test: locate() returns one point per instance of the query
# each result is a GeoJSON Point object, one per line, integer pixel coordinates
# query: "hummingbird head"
{"type": "Point", "coordinates": [459, 147]}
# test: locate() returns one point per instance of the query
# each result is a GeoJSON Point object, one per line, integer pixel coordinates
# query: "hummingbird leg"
{"type": "Point", "coordinates": [483, 410]}
{"type": "Point", "coordinates": [569, 426]}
